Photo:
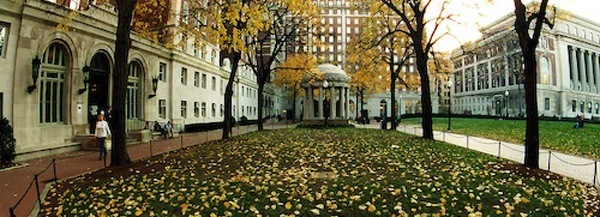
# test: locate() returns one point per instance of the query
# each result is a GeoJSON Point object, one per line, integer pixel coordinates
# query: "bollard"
{"type": "Point", "coordinates": [181, 138]}
{"type": "Point", "coordinates": [150, 148]}
{"type": "Point", "coordinates": [595, 171]}
{"type": "Point", "coordinates": [54, 168]}
{"type": "Point", "coordinates": [499, 148]}
{"type": "Point", "coordinates": [37, 188]}
{"type": "Point", "coordinates": [467, 141]}
{"type": "Point", "coordinates": [549, 157]}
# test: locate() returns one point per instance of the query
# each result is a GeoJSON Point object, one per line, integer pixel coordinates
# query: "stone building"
{"type": "Point", "coordinates": [488, 73]}
{"type": "Point", "coordinates": [54, 81]}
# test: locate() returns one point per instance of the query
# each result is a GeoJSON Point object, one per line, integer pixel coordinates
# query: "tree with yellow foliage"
{"type": "Point", "coordinates": [290, 73]}
{"type": "Point", "coordinates": [289, 20]}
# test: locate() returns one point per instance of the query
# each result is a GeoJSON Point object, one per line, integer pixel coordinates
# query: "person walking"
{"type": "Point", "coordinates": [102, 131]}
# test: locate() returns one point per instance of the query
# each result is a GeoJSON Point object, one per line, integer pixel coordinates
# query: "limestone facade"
{"type": "Point", "coordinates": [75, 77]}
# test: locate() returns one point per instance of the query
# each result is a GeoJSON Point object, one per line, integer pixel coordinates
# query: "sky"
{"type": "Point", "coordinates": [473, 14]}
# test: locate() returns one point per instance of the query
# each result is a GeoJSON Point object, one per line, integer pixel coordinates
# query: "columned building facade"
{"type": "Point", "coordinates": [489, 81]}
{"type": "Point", "coordinates": [55, 81]}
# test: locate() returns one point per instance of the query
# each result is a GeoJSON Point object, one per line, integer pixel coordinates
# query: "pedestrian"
{"type": "Point", "coordinates": [102, 131]}
{"type": "Point", "coordinates": [580, 121]}
{"type": "Point", "coordinates": [168, 130]}
{"type": "Point", "coordinates": [158, 128]}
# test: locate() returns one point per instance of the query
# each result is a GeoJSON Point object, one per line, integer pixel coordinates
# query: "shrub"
{"type": "Point", "coordinates": [243, 120]}
{"type": "Point", "coordinates": [7, 142]}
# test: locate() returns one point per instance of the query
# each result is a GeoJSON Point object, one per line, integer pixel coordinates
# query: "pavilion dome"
{"type": "Point", "coordinates": [333, 73]}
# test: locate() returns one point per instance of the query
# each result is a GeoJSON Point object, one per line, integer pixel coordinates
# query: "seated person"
{"type": "Point", "coordinates": [158, 128]}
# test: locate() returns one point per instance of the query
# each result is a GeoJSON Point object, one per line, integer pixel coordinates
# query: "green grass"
{"type": "Point", "coordinates": [559, 136]}
{"type": "Point", "coordinates": [372, 172]}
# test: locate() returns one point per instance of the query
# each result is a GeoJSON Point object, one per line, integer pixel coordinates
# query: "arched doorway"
{"type": "Point", "coordinates": [99, 71]}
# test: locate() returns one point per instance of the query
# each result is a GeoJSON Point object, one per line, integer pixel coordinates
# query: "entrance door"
{"type": "Point", "coordinates": [98, 88]}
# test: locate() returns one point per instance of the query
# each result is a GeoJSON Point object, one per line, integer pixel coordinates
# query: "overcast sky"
{"type": "Point", "coordinates": [473, 14]}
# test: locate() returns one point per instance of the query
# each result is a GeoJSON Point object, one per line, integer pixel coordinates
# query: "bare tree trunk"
{"type": "Point", "coordinates": [427, 114]}
{"type": "Point", "coordinates": [528, 44]}
{"type": "Point", "coordinates": [294, 106]}
{"type": "Point", "coordinates": [235, 60]}
{"type": "Point", "coordinates": [261, 102]}
{"type": "Point", "coordinates": [119, 155]}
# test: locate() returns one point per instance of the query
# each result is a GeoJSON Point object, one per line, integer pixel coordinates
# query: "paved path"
{"type": "Point", "coordinates": [14, 182]}
{"type": "Point", "coordinates": [578, 168]}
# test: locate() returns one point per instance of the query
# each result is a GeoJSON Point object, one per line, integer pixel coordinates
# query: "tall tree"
{"type": "Point", "coordinates": [366, 69]}
{"type": "Point", "coordinates": [289, 74]}
{"type": "Point", "coordinates": [289, 21]}
{"type": "Point", "coordinates": [528, 26]}
{"type": "Point", "coordinates": [229, 24]}
{"type": "Point", "coordinates": [413, 15]}
{"type": "Point", "coordinates": [125, 9]}
{"type": "Point", "coordinates": [384, 31]}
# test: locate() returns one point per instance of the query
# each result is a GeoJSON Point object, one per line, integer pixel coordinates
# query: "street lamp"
{"type": "Point", "coordinates": [449, 102]}
{"type": "Point", "coordinates": [325, 86]}
{"type": "Point", "coordinates": [506, 102]}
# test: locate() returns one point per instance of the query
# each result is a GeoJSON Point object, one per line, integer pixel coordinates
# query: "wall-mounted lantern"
{"type": "Point", "coordinates": [154, 86]}
{"type": "Point", "coordinates": [86, 79]}
{"type": "Point", "coordinates": [35, 73]}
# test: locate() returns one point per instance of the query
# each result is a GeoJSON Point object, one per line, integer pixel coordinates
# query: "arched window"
{"type": "Point", "coordinates": [52, 84]}
{"type": "Point", "coordinates": [133, 103]}
{"type": "Point", "coordinates": [545, 70]}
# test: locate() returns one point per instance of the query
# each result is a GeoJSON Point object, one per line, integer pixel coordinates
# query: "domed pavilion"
{"type": "Point", "coordinates": [329, 95]}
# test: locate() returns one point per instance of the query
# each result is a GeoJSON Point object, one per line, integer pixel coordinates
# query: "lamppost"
{"type": "Point", "coordinates": [506, 102]}
{"type": "Point", "coordinates": [322, 102]}
{"type": "Point", "coordinates": [449, 102]}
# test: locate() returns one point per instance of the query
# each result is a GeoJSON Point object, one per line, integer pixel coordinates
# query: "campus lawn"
{"type": "Point", "coordinates": [332, 172]}
{"type": "Point", "coordinates": [554, 135]}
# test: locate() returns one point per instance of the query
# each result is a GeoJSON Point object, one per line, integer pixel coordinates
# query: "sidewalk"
{"type": "Point", "coordinates": [14, 182]}
{"type": "Point", "coordinates": [582, 169]}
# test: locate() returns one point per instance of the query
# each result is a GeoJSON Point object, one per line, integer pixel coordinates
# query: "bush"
{"type": "Point", "coordinates": [7, 142]}
{"type": "Point", "coordinates": [243, 120]}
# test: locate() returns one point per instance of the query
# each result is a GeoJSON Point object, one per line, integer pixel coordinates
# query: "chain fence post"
{"type": "Point", "coordinates": [37, 188]}
{"type": "Point", "coordinates": [467, 141]}
{"type": "Point", "coordinates": [499, 149]}
{"type": "Point", "coordinates": [181, 141]}
{"type": "Point", "coordinates": [549, 157]}
{"type": "Point", "coordinates": [595, 171]}
{"type": "Point", "coordinates": [54, 168]}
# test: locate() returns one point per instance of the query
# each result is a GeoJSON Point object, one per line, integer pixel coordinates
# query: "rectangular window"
{"type": "Point", "coordinates": [203, 80]}
{"type": "Point", "coordinates": [214, 109]}
{"type": "Point", "coordinates": [222, 108]}
{"type": "Point", "coordinates": [547, 104]}
{"type": "Point", "coordinates": [213, 84]}
{"type": "Point", "coordinates": [203, 109]}
{"type": "Point", "coordinates": [183, 109]}
{"type": "Point", "coordinates": [573, 106]}
{"type": "Point", "coordinates": [222, 87]}
{"type": "Point", "coordinates": [196, 79]}
{"type": "Point", "coordinates": [183, 75]}
{"type": "Point", "coordinates": [581, 106]}
{"type": "Point", "coordinates": [162, 72]}
{"type": "Point", "coordinates": [162, 108]}
{"type": "Point", "coordinates": [597, 106]}
{"type": "Point", "coordinates": [196, 109]}
{"type": "Point", "coordinates": [3, 39]}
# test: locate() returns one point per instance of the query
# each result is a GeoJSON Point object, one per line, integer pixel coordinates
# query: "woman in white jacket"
{"type": "Point", "coordinates": [102, 131]}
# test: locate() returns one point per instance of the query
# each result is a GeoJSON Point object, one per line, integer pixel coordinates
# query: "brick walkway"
{"type": "Point", "coordinates": [14, 182]}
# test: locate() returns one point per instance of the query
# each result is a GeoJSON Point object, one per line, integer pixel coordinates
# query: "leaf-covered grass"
{"type": "Point", "coordinates": [559, 136]}
{"type": "Point", "coordinates": [333, 172]}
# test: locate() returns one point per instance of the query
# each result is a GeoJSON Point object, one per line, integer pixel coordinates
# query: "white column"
{"type": "Point", "coordinates": [343, 102]}
{"type": "Point", "coordinates": [581, 67]}
{"type": "Point", "coordinates": [347, 102]}
{"type": "Point", "coordinates": [596, 63]}
{"type": "Point", "coordinates": [332, 103]}
{"type": "Point", "coordinates": [321, 102]}
{"type": "Point", "coordinates": [590, 71]}
{"type": "Point", "coordinates": [311, 105]}
{"type": "Point", "coordinates": [574, 71]}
